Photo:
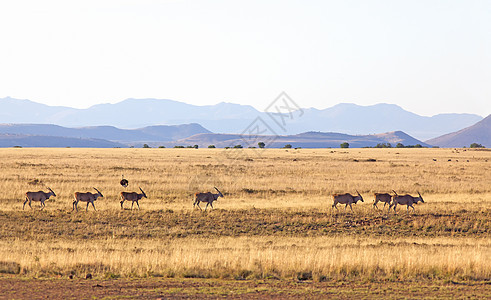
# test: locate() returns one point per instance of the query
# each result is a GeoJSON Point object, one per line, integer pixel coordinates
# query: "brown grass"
{"type": "Point", "coordinates": [274, 222]}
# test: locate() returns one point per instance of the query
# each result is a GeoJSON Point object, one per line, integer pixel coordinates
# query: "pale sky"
{"type": "Point", "coordinates": [427, 56]}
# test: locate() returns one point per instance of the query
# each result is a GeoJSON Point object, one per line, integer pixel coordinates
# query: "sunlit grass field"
{"type": "Point", "coordinates": [275, 221]}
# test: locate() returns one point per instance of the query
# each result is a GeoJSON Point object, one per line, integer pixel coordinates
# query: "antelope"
{"type": "Point", "coordinates": [86, 197]}
{"type": "Point", "coordinates": [206, 197]}
{"type": "Point", "coordinates": [407, 200]}
{"type": "Point", "coordinates": [347, 199]}
{"type": "Point", "coordinates": [382, 197]}
{"type": "Point", "coordinates": [38, 196]}
{"type": "Point", "coordinates": [133, 197]}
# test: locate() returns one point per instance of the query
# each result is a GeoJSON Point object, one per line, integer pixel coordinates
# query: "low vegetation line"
{"type": "Point", "coordinates": [41, 225]}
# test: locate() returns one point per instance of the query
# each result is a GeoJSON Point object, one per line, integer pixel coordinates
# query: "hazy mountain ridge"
{"type": "Point", "coordinates": [478, 133]}
{"type": "Point", "coordinates": [109, 133]}
{"type": "Point", "coordinates": [18, 140]}
{"type": "Point", "coordinates": [235, 118]}
{"type": "Point", "coordinates": [304, 140]}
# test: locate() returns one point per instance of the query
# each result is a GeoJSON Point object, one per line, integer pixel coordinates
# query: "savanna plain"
{"type": "Point", "coordinates": [274, 234]}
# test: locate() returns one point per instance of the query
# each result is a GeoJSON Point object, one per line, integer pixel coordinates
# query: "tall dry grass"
{"type": "Point", "coordinates": [450, 180]}
{"type": "Point", "coordinates": [248, 177]}
{"type": "Point", "coordinates": [318, 258]}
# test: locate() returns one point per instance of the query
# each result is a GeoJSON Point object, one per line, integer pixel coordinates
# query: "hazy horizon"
{"type": "Point", "coordinates": [426, 57]}
{"type": "Point", "coordinates": [257, 108]}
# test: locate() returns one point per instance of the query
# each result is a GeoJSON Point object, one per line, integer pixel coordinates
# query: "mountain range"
{"type": "Point", "coordinates": [18, 140]}
{"type": "Point", "coordinates": [234, 118]}
{"type": "Point", "coordinates": [302, 140]}
{"type": "Point", "coordinates": [48, 135]}
{"type": "Point", "coordinates": [233, 124]}
{"type": "Point", "coordinates": [156, 133]}
{"type": "Point", "coordinates": [478, 133]}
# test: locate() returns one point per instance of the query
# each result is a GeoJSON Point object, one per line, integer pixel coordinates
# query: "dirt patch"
{"type": "Point", "coordinates": [212, 289]}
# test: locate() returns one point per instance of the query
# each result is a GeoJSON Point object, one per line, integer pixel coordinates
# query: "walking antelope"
{"type": "Point", "coordinates": [133, 197]}
{"type": "Point", "coordinates": [347, 199]}
{"type": "Point", "coordinates": [38, 196]}
{"type": "Point", "coordinates": [407, 200]}
{"type": "Point", "coordinates": [382, 197]}
{"type": "Point", "coordinates": [206, 197]}
{"type": "Point", "coordinates": [86, 197]}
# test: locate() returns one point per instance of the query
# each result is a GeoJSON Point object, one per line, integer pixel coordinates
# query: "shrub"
{"type": "Point", "coordinates": [476, 145]}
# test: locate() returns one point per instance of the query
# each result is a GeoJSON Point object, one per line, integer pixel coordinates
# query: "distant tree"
{"type": "Point", "coordinates": [288, 146]}
{"type": "Point", "coordinates": [211, 146]}
{"type": "Point", "coordinates": [195, 146]}
{"type": "Point", "coordinates": [418, 146]}
{"type": "Point", "coordinates": [146, 146]}
{"type": "Point", "coordinates": [178, 146]}
{"type": "Point", "coordinates": [238, 146]}
{"type": "Point", "coordinates": [227, 147]}
{"type": "Point", "coordinates": [261, 145]}
{"type": "Point", "coordinates": [384, 145]}
{"type": "Point", "coordinates": [161, 146]}
{"type": "Point", "coordinates": [344, 145]}
{"type": "Point", "coordinates": [476, 145]}
{"type": "Point", "coordinates": [399, 145]}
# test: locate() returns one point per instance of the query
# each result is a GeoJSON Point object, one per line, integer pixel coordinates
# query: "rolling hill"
{"type": "Point", "coordinates": [110, 133]}
{"type": "Point", "coordinates": [478, 133]}
{"type": "Point", "coordinates": [19, 140]}
{"type": "Point", "coordinates": [234, 118]}
{"type": "Point", "coordinates": [303, 140]}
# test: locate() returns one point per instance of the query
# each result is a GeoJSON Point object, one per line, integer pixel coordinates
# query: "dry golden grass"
{"type": "Point", "coordinates": [338, 258]}
{"type": "Point", "coordinates": [276, 218]}
{"type": "Point", "coordinates": [248, 177]}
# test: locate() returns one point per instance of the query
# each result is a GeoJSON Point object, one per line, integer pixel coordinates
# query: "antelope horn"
{"type": "Point", "coordinates": [51, 191]}
{"type": "Point", "coordinates": [142, 192]}
{"type": "Point", "coordinates": [394, 192]}
{"type": "Point", "coordinates": [217, 189]}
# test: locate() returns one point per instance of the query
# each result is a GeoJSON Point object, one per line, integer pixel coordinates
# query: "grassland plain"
{"type": "Point", "coordinates": [274, 228]}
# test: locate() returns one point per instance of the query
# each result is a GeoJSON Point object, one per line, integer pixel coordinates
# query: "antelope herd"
{"type": "Point", "coordinates": [209, 198]}
{"type": "Point", "coordinates": [386, 198]}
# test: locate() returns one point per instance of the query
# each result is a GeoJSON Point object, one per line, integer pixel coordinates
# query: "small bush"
{"type": "Point", "coordinates": [243, 274]}
{"type": "Point", "coordinates": [7, 267]}
{"type": "Point", "coordinates": [302, 276]}
{"type": "Point", "coordinates": [111, 275]}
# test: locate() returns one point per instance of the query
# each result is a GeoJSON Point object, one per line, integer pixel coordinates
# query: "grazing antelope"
{"type": "Point", "coordinates": [382, 197]}
{"type": "Point", "coordinates": [133, 197]}
{"type": "Point", "coordinates": [206, 197]}
{"type": "Point", "coordinates": [347, 199]}
{"type": "Point", "coordinates": [38, 196]}
{"type": "Point", "coordinates": [407, 200]}
{"type": "Point", "coordinates": [86, 197]}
